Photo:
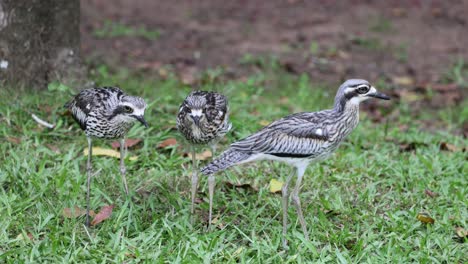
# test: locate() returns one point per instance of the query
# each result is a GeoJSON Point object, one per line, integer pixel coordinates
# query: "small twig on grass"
{"type": "Point", "coordinates": [42, 122]}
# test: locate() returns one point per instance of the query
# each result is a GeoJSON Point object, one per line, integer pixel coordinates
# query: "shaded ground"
{"type": "Point", "coordinates": [416, 45]}
{"type": "Point", "coordinates": [330, 40]}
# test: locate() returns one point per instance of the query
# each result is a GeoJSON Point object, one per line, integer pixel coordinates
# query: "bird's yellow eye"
{"type": "Point", "coordinates": [128, 109]}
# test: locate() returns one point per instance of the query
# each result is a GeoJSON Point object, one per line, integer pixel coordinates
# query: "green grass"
{"type": "Point", "coordinates": [381, 25]}
{"type": "Point", "coordinates": [360, 205]}
{"type": "Point", "coordinates": [112, 29]}
{"type": "Point", "coordinates": [373, 44]}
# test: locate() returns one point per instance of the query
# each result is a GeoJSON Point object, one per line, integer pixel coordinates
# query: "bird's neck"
{"type": "Point", "coordinates": [347, 113]}
{"type": "Point", "coordinates": [346, 107]}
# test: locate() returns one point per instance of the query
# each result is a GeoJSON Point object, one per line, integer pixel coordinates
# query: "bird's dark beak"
{"type": "Point", "coordinates": [141, 119]}
{"type": "Point", "coordinates": [196, 120]}
{"type": "Point", "coordinates": [379, 95]}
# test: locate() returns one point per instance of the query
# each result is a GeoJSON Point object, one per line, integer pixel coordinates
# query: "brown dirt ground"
{"type": "Point", "coordinates": [405, 43]}
{"type": "Point", "coordinates": [354, 38]}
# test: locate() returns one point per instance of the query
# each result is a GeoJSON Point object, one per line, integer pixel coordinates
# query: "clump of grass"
{"type": "Point", "coordinates": [368, 43]}
{"type": "Point", "coordinates": [360, 205]}
{"type": "Point", "coordinates": [381, 24]}
{"type": "Point", "coordinates": [112, 29]}
{"type": "Point", "coordinates": [458, 73]}
{"type": "Point", "coordinates": [401, 53]}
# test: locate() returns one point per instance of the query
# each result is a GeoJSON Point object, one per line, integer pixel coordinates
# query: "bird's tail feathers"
{"type": "Point", "coordinates": [227, 159]}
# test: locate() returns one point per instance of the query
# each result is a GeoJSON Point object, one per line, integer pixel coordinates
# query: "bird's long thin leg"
{"type": "Point", "coordinates": [211, 186]}
{"type": "Point", "coordinates": [194, 180]}
{"type": "Point", "coordinates": [297, 201]}
{"type": "Point", "coordinates": [123, 170]}
{"type": "Point", "coordinates": [88, 172]}
{"type": "Point", "coordinates": [284, 191]}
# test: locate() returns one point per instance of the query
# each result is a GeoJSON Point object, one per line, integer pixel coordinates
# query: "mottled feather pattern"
{"type": "Point", "coordinates": [215, 123]}
{"type": "Point", "coordinates": [311, 136]}
{"type": "Point", "coordinates": [298, 134]}
{"type": "Point", "coordinates": [95, 109]}
{"type": "Point", "coordinates": [297, 138]}
{"type": "Point", "coordinates": [227, 159]}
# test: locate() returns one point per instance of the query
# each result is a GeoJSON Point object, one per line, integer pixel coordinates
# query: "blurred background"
{"type": "Point", "coordinates": [329, 40]}
{"type": "Point", "coordinates": [415, 48]}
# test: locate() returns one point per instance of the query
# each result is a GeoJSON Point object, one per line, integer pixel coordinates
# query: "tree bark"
{"type": "Point", "coordinates": [40, 42]}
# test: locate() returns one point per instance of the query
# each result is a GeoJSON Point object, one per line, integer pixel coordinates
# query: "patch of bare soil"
{"type": "Point", "coordinates": [410, 44]}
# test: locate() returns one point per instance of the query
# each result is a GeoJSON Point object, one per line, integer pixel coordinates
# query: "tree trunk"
{"type": "Point", "coordinates": [40, 42]}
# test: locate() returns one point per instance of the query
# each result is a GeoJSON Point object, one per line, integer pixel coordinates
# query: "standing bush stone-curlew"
{"type": "Point", "coordinates": [300, 139]}
{"type": "Point", "coordinates": [203, 119]}
{"type": "Point", "coordinates": [108, 113]}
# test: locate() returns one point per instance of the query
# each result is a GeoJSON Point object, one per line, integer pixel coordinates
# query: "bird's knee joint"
{"type": "Point", "coordinates": [123, 170]}
{"type": "Point", "coordinates": [295, 199]}
{"type": "Point", "coordinates": [211, 178]}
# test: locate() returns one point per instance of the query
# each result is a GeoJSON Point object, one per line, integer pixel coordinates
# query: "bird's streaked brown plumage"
{"type": "Point", "coordinates": [300, 139]}
{"type": "Point", "coordinates": [203, 119]}
{"type": "Point", "coordinates": [108, 113]}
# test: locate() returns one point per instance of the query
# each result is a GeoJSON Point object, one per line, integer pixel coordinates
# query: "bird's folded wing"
{"type": "Point", "coordinates": [290, 135]}
{"type": "Point", "coordinates": [82, 105]}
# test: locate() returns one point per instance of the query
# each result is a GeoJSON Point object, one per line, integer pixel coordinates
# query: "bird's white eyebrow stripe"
{"type": "Point", "coordinates": [196, 112]}
{"type": "Point", "coordinates": [139, 112]}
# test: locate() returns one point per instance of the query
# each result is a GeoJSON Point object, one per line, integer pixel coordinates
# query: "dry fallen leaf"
{"type": "Point", "coordinates": [461, 232]}
{"type": "Point", "coordinates": [201, 156]}
{"type": "Point", "coordinates": [439, 87]}
{"type": "Point", "coordinates": [403, 80]}
{"type": "Point", "coordinates": [330, 212]}
{"type": "Point", "coordinates": [167, 143]}
{"type": "Point", "coordinates": [45, 108]}
{"type": "Point", "coordinates": [163, 72]}
{"type": "Point", "coordinates": [425, 218]}
{"type": "Point", "coordinates": [407, 146]}
{"type": "Point", "coordinates": [411, 146]}
{"type": "Point", "coordinates": [53, 148]}
{"type": "Point", "coordinates": [28, 236]}
{"type": "Point", "coordinates": [284, 100]}
{"type": "Point", "coordinates": [76, 212]}
{"type": "Point", "coordinates": [275, 186]}
{"type": "Point", "coordinates": [129, 142]}
{"type": "Point", "coordinates": [264, 122]}
{"type": "Point", "coordinates": [448, 147]}
{"type": "Point", "coordinates": [14, 140]}
{"type": "Point", "coordinates": [343, 54]}
{"type": "Point", "coordinates": [238, 251]}
{"type": "Point", "coordinates": [409, 96]}
{"type": "Point", "coordinates": [151, 65]}
{"type": "Point", "coordinates": [106, 152]}
{"type": "Point", "coordinates": [430, 193]}
{"type": "Point", "coordinates": [105, 213]}
{"type": "Point", "coordinates": [398, 12]}
{"type": "Point", "coordinates": [188, 75]}
{"type": "Point", "coordinates": [246, 186]}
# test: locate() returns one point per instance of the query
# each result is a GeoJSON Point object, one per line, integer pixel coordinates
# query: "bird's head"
{"type": "Point", "coordinates": [355, 91]}
{"type": "Point", "coordinates": [131, 109]}
{"type": "Point", "coordinates": [196, 109]}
